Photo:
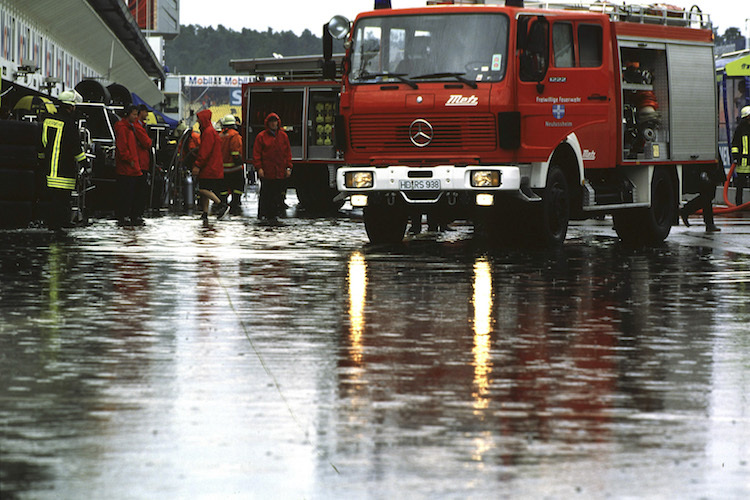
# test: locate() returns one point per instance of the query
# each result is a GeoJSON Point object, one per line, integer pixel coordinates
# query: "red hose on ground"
{"type": "Point", "coordinates": [731, 207]}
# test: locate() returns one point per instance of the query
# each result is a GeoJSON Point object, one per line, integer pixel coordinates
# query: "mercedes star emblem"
{"type": "Point", "coordinates": [420, 133]}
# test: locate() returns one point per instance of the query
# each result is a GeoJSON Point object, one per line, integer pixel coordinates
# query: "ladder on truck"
{"type": "Point", "coordinates": [657, 13]}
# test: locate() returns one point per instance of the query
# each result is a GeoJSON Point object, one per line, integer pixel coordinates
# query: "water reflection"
{"type": "Point", "coordinates": [584, 349]}
{"type": "Point", "coordinates": [357, 278]}
{"type": "Point", "coordinates": [483, 319]}
{"type": "Point", "coordinates": [168, 359]}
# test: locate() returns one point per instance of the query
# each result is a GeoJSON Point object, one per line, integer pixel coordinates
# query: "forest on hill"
{"type": "Point", "coordinates": [199, 50]}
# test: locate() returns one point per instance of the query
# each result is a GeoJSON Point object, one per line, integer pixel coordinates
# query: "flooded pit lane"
{"type": "Point", "coordinates": [241, 360]}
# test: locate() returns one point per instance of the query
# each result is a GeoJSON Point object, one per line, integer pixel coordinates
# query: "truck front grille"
{"type": "Point", "coordinates": [389, 133]}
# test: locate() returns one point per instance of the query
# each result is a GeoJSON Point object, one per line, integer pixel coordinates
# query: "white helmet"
{"type": "Point", "coordinates": [228, 120]}
{"type": "Point", "coordinates": [745, 112]}
{"type": "Point", "coordinates": [71, 97]}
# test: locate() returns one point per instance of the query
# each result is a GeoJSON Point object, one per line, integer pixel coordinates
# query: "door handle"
{"type": "Point", "coordinates": [598, 97]}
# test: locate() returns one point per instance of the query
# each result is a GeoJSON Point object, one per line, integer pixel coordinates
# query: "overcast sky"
{"type": "Point", "coordinates": [298, 15]}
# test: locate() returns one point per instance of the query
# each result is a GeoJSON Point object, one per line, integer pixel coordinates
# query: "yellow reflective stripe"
{"type": "Point", "coordinates": [61, 182]}
{"type": "Point", "coordinates": [230, 164]}
{"type": "Point", "coordinates": [81, 156]}
{"type": "Point", "coordinates": [235, 153]}
{"type": "Point", "coordinates": [735, 149]}
{"type": "Point", "coordinates": [744, 145]}
{"type": "Point", "coordinates": [55, 159]}
{"type": "Point", "coordinates": [237, 191]}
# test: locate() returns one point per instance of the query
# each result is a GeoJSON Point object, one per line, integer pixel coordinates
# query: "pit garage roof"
{"type": "Point", "coordinates": [734, 63]}
{"type": "Point", "coordinates": [88, 29]}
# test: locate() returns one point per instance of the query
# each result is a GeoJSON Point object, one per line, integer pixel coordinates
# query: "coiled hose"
{"type": "Point", "coordinates": [731, 207]}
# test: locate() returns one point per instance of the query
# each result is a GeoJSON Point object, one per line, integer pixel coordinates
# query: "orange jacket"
{"type": "Point", "coordinates": [209, 154]}
{"type": "Point", "coordinates": [272, 152]}
{"type": "Point", "coordinates": [126, 157]}
{"type": "Point", "coordinates": [194, 141]}
{"type": "Point", "coordinates": [144, 146]}
{"type": "Point", "coordinates": [231, 147]}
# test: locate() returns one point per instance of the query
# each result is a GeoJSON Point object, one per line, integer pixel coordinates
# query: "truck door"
{"type": "Point", "coordinates": [574, 93]}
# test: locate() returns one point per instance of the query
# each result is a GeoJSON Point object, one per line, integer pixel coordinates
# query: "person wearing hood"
{"type": "Point", "coordinates": [143, 143]}
{"type": "Point", "coordinates": [127, 169]}
{"type": "Point", "coordinates": [272, 159]}
{"type": "Point", "coordinates": [209, 167]}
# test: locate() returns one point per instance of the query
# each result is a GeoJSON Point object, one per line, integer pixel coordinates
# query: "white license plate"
{"type": "Point", "coordinates": [419, 185]}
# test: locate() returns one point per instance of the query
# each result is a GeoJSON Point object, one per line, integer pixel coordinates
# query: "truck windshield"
{"type": "Point", "coordinates": [463, 47]}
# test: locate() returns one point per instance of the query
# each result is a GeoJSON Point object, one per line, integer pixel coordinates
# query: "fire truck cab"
{"type": "Point", "coordinates": [524, 117]}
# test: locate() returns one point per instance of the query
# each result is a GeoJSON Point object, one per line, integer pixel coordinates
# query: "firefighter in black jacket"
{"type": "Point", "coordinates": [741, 154]}
{"type": "Point", "coordinates": [61, 150]}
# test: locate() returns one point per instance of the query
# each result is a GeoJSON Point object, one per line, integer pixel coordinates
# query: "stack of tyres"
{"type": "Point", "coordinates": [20, 176]}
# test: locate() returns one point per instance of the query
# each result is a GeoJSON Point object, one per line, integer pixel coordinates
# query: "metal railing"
{"type": "Point", "coordinates": [657, 13]}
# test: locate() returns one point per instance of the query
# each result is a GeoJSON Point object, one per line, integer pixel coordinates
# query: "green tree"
{"type": "Point", "coordinates": [730, 36]}
{"type": "Point", "coordinates": [208, 50]}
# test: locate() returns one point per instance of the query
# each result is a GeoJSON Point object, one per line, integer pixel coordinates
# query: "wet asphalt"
{"type": "Point", "coordinates": [242, 360]}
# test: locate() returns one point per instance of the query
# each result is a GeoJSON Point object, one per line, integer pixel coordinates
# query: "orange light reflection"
{"type": "Point", "coordinates": [482, 301]}
{"type": "Point", "coordinates": [357, 300]}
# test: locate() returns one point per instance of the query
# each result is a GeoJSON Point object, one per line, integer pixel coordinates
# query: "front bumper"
{"type": "Point", "coordinates": [427, 185]}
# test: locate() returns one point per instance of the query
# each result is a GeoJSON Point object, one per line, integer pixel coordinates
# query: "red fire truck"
{"type": "Point", "coordinates": [524, 117]}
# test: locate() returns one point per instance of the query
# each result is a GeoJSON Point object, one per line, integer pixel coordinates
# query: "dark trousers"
{"type": "Point", "coordinates": [272, 193]}
{"type": "Point", "coordinates": [234, 184]}
{"type": "Point", "coordinates": [56, 213]}
{"type": "Point", "coordinates": [129, 191]}
{"type": "Point", "coordinates": [704, 201]}
{"type": "Point", "coordinates": [741, 181]}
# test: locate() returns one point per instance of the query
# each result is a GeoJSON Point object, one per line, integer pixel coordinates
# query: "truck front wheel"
{"type": "Point", "coordinates": [650, 226]}
{"type": "Point", "coordinates": [552, 215]}
{"type": "Point", "coordinates": [384, 224]}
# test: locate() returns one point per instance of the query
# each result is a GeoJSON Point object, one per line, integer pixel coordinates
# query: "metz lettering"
{"type": "Point", "coordinates": [460, 100]}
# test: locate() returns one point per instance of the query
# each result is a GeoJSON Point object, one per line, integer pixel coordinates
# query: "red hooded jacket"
{"type": "Point", "coordinates": [126, 157]}
{"type": "Point", "coordinates": [272, 152]}
{"type": "Point", "coordinates": [209, 159]}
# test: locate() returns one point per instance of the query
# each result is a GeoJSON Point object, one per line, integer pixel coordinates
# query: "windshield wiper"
{"type": "Point", "coordinates": [398, 76]}
{"type": "Point", "coordinates": [457, 76]}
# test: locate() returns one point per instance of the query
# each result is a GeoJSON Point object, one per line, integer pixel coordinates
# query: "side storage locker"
{"type": "Point", "coordinates": [692, 103]}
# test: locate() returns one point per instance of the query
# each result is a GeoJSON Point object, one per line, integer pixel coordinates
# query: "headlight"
{"type": "Point", "coordinates": [359, 200]}
{"type": "Point", "coordinates": [358, 180]}
{"type": "Point", "coordinates": [485, 200]}
{"type": "Point", "coordinates": [485, 178]}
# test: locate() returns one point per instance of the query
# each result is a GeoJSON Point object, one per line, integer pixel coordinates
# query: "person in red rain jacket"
{"type": "Point", "coordinates": [209, 167]}
{"type": "Point", "coordinates": [143, 141]}
{"type": "Point", "coordinates": [272, 159]}
{"type": "Point", "coordinates": [127, 168]}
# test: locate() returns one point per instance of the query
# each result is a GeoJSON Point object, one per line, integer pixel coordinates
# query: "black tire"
{"type": "Point", "coordinates": [650, 226]}
{"type": "Point", "coordinates": [384, 225]}
{"type": "Point", "coordinates": [93, 91]}
{"type": "Point", "coordinates": [552, 215]}
{"type": "Point", "coordinates": [20, 157]}
{"type": "Point", "coordinates": [17, 185]}
{"type": "Point", "coordinates": [16, 214]}
{"type": "Point", "coordinates": [20, 133]}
